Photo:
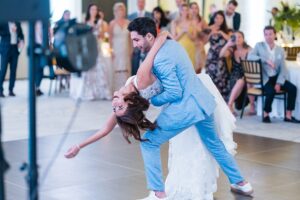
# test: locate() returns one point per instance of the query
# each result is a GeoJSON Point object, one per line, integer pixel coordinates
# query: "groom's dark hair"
{"type": "Point", "coordinates": [142, 26]}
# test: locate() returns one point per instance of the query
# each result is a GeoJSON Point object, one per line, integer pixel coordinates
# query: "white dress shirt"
{"type": "Point", "coordinates": [141, 13]}
{"type": "Point", "coordinates": [229, 20]}
{"type": "Point", "coordinates": [13, 34]}
{"type": "Point", "coordinates": [272, 72]}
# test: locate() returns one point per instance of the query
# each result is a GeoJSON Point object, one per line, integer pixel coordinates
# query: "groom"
{"type": "Point", "coordinates": [186, 102]}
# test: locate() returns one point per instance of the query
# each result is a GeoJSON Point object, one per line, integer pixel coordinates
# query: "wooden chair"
{"type": "Point", "coordinates": [49, 74]}
{"type": "Point", "coordinates": [62, 75]}
{"type": "Point", "coordinates": [291, 52]}
{"type": "Point", "coordinates": [253, 76]}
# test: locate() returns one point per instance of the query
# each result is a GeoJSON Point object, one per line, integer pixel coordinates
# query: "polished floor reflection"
{"type": "Point", "coordinates": [113, 170]}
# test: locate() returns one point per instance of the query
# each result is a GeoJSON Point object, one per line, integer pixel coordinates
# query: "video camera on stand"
{"type": "Point", "coordinates": [75, 49]}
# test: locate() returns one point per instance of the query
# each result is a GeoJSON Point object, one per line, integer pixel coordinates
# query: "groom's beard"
{"type": "Point", "coordinates": [147, 47]}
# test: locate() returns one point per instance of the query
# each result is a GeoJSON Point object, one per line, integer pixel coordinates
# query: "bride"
{"type": "Point", "coordinates": [192, 170]}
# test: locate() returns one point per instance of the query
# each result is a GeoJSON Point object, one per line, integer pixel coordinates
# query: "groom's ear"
{"type": "Point", "coordinates": [149, 37]}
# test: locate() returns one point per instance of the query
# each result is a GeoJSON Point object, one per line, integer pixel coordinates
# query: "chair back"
{"type": "Point", "coordinates": [291, 52]}
{"type": "Point", "coordinates": [253, 72]}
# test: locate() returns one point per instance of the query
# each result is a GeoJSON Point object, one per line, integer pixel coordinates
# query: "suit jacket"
{"type": "Point", "coordinates": [261, 52]}
{"type": "Point", "coordinates": [236, 21]}
{"type": "Point", "coordinates": [5, 35]}
{"type": "Point", "coordinates": [134, 15]}
{"type": "Point", "coordinates": [186, 100]}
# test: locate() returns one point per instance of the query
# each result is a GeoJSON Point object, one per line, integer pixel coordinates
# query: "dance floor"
{"type": "Point", "coordinates": [113, 170]}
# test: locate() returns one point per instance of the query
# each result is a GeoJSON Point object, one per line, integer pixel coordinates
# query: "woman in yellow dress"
{"type": "Point", "coordinates": [200, 25]}
{"type": "Point", "coordinates": [184, 32]}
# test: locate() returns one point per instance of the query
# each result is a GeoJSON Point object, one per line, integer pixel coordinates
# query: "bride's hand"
{"type": "Point", "coordinates": [72, 152]}
{"type": "Point", "coordinates": [161, 38]}
{"type": "Point", "coordinates": [169, 35]}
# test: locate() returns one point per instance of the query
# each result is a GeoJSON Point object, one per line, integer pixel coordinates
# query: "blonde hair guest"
{"type": "Point", "coordinates": [120, 46]}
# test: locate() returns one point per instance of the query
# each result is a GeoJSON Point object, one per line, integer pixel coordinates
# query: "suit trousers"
{"type": "Point", "coordinates": [9, 56]}
{"type": "Point", "coordinates": [206, 130]}
{"type": "Point", "coordinates": [135, 61]}
{"type": "Point", "coordinates": [269, 90]}
{"type": "Point", "coordinates": [39, 71]}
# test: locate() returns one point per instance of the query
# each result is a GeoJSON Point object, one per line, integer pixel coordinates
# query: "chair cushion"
{"type": "Point", "coordinates": [254, 91]}
{"type": "Point", "coordinates": [258, 91]}
{"type": "Point", "coordinates": [60, 71]}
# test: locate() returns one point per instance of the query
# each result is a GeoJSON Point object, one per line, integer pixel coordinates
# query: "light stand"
{"type": "Point", "coordinates": [30, 11]}
{"type": "Point", "coordinates": [32, 171]}
{"type": "Point", "coordinates": [3, 164]}
{"type": "Point", "coordinates": [77, 48]}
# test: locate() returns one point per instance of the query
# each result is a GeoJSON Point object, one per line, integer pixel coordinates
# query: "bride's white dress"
{"type": "Point", "coordinates": [193, 172]}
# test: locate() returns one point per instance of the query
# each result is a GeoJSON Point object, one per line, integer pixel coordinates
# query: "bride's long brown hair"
{"type": "Point", "coordinates": [134, 118]}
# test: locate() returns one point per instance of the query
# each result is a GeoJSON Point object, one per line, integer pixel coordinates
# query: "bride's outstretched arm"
{"type": "Point", "coordinates": [108, 127]}
{"type": "Point", "coordinates": [144, 73]}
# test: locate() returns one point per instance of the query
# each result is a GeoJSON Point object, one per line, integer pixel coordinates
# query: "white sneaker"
{"type": "Point", "coordinates": [245, 189]}
{"type": "Point", "coordinates": [152, 196]}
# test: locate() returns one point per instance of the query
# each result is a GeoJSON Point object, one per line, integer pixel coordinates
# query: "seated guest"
{"type": "Point", "coordinates": [274, 74]}
{"type": "Point", "coordinates": [237, 49]}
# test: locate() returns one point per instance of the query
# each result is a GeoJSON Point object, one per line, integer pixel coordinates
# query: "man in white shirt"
{"type": "Point", "coordinates": [136, 55]}
{"type": "Point", "coordinates": [140, 12]}
{"type": "Point", "coordinates": [233, 19]}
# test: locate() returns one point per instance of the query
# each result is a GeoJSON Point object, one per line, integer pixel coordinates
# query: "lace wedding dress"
{"type": "Point", "coordinates": [192, 171]}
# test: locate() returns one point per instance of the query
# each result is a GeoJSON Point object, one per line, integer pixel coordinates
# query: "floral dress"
{"type": "Point", "coordinates": [216, 66]}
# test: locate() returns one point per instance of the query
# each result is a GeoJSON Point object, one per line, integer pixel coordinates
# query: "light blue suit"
{"type": "Point", "coordinates": [186, 102]}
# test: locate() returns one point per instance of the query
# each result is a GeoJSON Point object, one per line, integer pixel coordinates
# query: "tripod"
{"type": "Point", "coordinates": [3, 164]}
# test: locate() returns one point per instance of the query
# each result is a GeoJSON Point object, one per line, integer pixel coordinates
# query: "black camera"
{"type": "Point", "coordinates": [233, 38]}
{"type": "Point", "coordinates": [75, 46]}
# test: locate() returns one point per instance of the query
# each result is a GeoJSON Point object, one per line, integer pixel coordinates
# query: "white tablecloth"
{"type": "Point", "coordinates": [277, 106]}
